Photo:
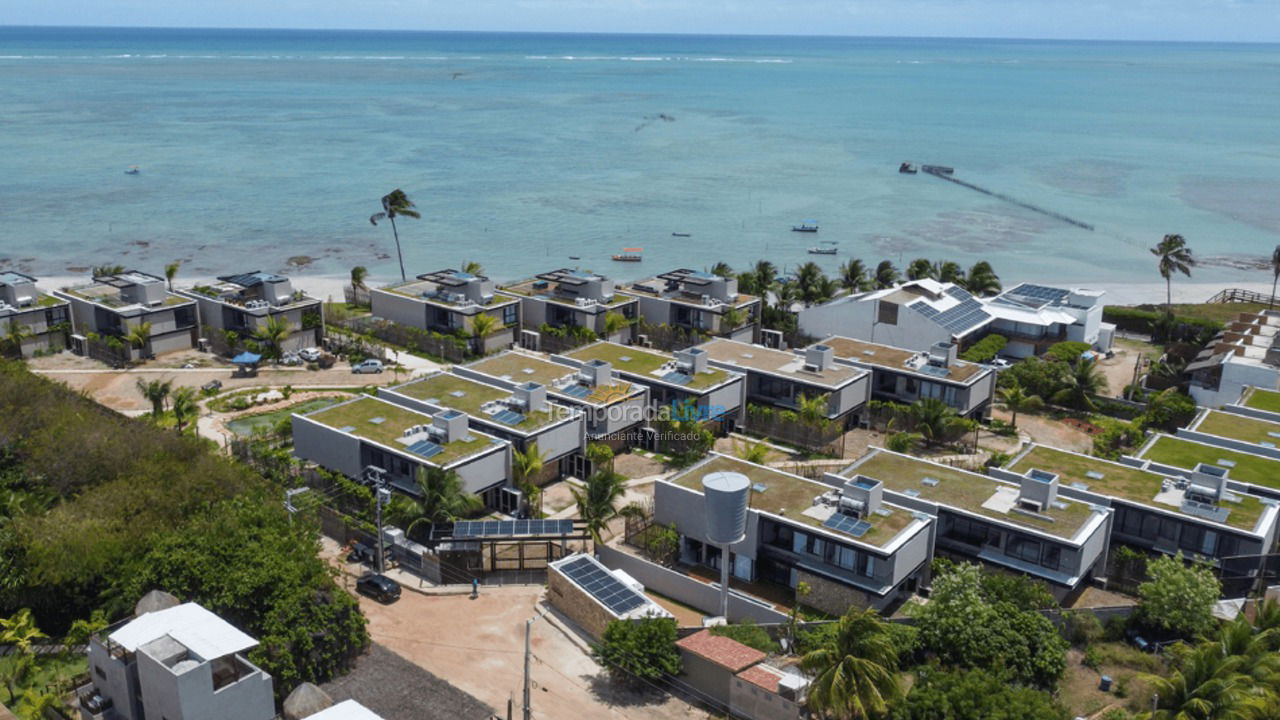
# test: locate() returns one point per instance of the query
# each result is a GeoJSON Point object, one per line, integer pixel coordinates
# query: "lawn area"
{"type": "Point", "coordinates": [385, 423]}
{"type": "Point", "coordinates": [1259, 399]}
{"type": "Point", "coordinates": [1239, 427]}
{"type": "Point", "coordinates": [639, 361]}
{"type": "Point", "coordinates": [247, 426]}
{"type": "Point", "coordinates": [1185, 454]}
{"type": "Point", "coordinates": [1218, 312]}
{"type": "Point", "coordinates": [1079, 691]}
{"type": "Point", "coordinates": [459, 393]}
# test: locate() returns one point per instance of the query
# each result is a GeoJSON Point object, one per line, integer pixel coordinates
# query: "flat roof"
{"type": "Point", "coordinates": [778, 362]}
{"type": "Point", "coordinates": [1239, 427]}
{"type": "Point", "coordinates": [547, 287]}
{"type": "Point", "coordinates": [346, 710]}
{"type": "Point", "coordinates": [789, 496]}
{"type": "Point", "coordinates": [198, 630]}
{"type": "Point", "coordinates": [969, 491]}
{"type": "Point", "coordinates": [519, 368]}
{"type": "Point", "coordinates": [384, 422]}
{"type": "Point", "coordinates": [1128, 483]}
{"type": "Point", "coordinates": [472, 397]}
{"type": "Point", "coordinates": [656, 286]}
{"type": "Point", "coordinates": [900, 360]}
{"type": "Point", "coordinates": [645, 363]}
{"type": "Point", "coordinates": [1259, 399]}
{"type": "Point", "coordinates": [1242, 467]}
{"type": "Point", "coordinates": [9, 277]}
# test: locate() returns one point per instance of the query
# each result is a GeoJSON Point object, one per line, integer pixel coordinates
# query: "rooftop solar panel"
{"type": "Point", "coordinates": [578, 391]}
{"type": "Point", "coordinates": [509, 417]}
{"type": "Point", "coordinates": [847, 524]}
{"type": "Point", "coordinates": [676, 377]}
{"type": "Point", "coordinates": [425, 448]}
{"type": "Point", "coordinates": [511, 528]}
{"type": "Point", "coordinates": [602, 585]}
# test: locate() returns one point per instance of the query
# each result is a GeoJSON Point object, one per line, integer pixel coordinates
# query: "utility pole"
{"type": "Point", "coordinates": [375, 476]}
{"type": "Point", "coordinates": [528, 629]}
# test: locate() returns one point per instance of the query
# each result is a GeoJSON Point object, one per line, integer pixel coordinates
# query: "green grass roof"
{"type": "Point", "coordinates": [360, 417]}
{"type": "Point", "coordinates": [1260, 399]}
{"type": "Point", "coordinates": [459, 393]}
{"type": "Point", "coordinates": [1122, 481]}
{"type": "Point", "coordinates": [1248, 468]}
{"type": "Point", "coordinates": [518, 368]}
{"type": "Point", "coordinates": [641, 362]}
{"type": "Point", "coordinates": [1239, 427]}
{"type": "Point", "coordinates": [787, 495]}
{"type": "Point", "coordinates": [967, 491]}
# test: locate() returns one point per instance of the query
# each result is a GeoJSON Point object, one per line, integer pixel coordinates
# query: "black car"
{"type": "Point", "coordinates": [379, 587]}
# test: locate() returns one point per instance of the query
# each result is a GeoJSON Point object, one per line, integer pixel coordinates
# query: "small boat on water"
{"type": "Point", "coordinates": [810, 226]}
{"type": "Point", "coordinates": [907, 169]}
{"type": "Point", "coordinates": [822, 251]}
{"type": "Point", "coordinates": [629, 255]}
{"type": "Point", "coordinates": [675, 234]}
{"type": "Point", "coordinates": [574, 257]}
{"type": "Point", "coordinates": [133, 170]}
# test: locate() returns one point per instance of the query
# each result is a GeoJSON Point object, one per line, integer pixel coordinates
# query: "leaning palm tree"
{"type": "Point", "coordinates": [1205, 686]}
{"type": "Point", "coordinates": [472, 267]}
{"type": "Point", "coordinates": [722, 269]}
{"type": "Point", "coordinates": [272, 335]}
{"type": "Point", "coordinates": [359, 274]}
{"type": "Point", "coordinates": [1175, 257]}
{"type": "Point", "coordinates": [140, 336]}
{"type": "Point", "coordinates": [921, 269]}
{"type": "Point", "coordinates": [982, 280]}
{"type": "Point", "coordinates": [886, 275]}
{"type": "Point", "coordinates": [853, 275]}
{"type": "Point", "coordinates": [395, 204]}
{"type": "Point", "coordinates": [1086, 381]}
{"type": "Point", "coordinates": [855, 677]}
{"type": "Point", "coordinates": [524, 467]}
{"type": "Point", "coordinates": [441, 497]}
{"type": "Point", "coordinates": [597, 502]}
{"type": "Point", "coordinates": [184, 406]}
{"type": "Point", "coordinates": [1014, 398]}
{"type": "Point", "coordinates": [950, 271]}
{"type": "Point", "coordinates": [1275, 275]}
{"type": "Point", "coordinates": [156, 392]}
{"type": "Point", "coordinates": [171, 272]}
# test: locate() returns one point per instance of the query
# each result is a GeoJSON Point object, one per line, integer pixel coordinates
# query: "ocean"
{"type": "Point", "coordinates": [270, 149]}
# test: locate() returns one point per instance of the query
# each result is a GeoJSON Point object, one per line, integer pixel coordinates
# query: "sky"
{"type": "Point", "coordinates": [1186, 20]}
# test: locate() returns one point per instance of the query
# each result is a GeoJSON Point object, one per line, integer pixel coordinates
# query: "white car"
{"type": "Point", "coordinates": [367, 366]}
{"type": "Point", "coordinates": [311, 354]}
{"type": "Point", "coordinates": [1001, 364]}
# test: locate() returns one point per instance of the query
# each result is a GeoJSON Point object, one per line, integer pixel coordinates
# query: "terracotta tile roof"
{"type": "Point", "coordinates": [723, 651]}
{"type": "Point", "coordinates": [762, 676]}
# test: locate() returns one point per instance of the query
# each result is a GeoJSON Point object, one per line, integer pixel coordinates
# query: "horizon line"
{"type": "Point", "coordinates": [599, 33]}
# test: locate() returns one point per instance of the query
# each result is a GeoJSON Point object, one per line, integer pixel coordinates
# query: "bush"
{"type": "Point", "coordinates": [1169, 410]}
{"type": "Point", "coordinates": [749, 634]}
{"type": "Point", "coordinates": [998, 459]}
{"type": "Point", "coordinates": [975, 695]}
{"type": "Point", "coordinates": [637, 650]}
{"type": "Point", "coordinates": [1081, 627]}
{"type": "Point", "coordinates": [902, 442]}
{"type": "Point", "coordinates": [985, 349]}
{"type": "Point", "coordinates": [1068, 351]}
{"type": "Point", "coordinates": [1114, 628]}
{"type": "Point", "coordinates": [1179, 598]}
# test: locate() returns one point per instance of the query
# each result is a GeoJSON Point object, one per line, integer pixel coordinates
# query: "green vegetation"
{"type": "Point", "coordinates": [749, 634]}
{"type": "Point", "coordinates": [441, 498]}
{"type": "Point", "coordinates": [360, 415]}
{"type": "Point", "coordinates": [1259, 399]}
{"type": "Point", "coordinates": [598, 501]}
{"type": "Point", "coordinates": [976, 695]}
{"type": "Point", "coordinates": [395, 204]}
{"type": "Point", "coordinates": [100, 508]}
{"type": "Point", "coordinates": [639, 361]}
{"type": "Point", "coordinates": [985, 349]}
{"type": "Point", "coordinates": [1178, 598]}
{"type": "Point", "coordinates": [641, 650]}
{"type": "Point", "coordinates": [269, 421]}
{"type": "Point", "coordinates": [1190, 322]}
{"type": "Point", "coordinates": [1239, 427]}
{"type": "Point", "coordinates": [453, 391]}
{"type": "Point", "coordinates": [1068, 351]}
{"type": "Point", "coordinates": [1175, 257]}
{"type": "Point", "coordinates": [1186, 454]}
{"type": "Point", "coordinates": [854, 676]}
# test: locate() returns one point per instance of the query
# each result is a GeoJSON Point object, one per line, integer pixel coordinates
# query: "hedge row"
{"type": "Point", "coordinates": [985, 349]}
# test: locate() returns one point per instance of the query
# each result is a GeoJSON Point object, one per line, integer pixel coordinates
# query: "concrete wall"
{"type": "Point", "coordinates": [478, 473]}
{"type": "Point", "coordinates": [687, 509]}
{"type": "Point", "coordinates": [730, 397]}
{"type": "Point", "coordinates": [854, 319]}
{"type": "Point", "coordinates": [398, 308]}
{"type": "Point", "coordinates": [687, 590]}
{"type": "Point", "coordinates": [173, 342]}
{"type": "Point", "coordinates": [1230, 443]}
{"type": "Point", "coordinates": [832, 597]}
{"type": "Point", "coordinates": [748, 700]}
{"type": "Point", "coordinates": [190, 696]}
{"type": "Point", "coordinates": [117, 681]}
{"type": "Point", "coordinates": [1236, 376]}
{"type": "Point", "coordinates": [1254, 413]}
{"type": "Point", "coordinates": [709, 678]}
{"type": "Point", "coordinates": [577, 604]}
{"type": "Point", "coordinates": [852, 396]}
{"type": "Point", "coordinates": [326, 447]}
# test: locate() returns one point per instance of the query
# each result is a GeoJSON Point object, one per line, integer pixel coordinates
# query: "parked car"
{"type": "Point", "coordinates": [291, 359]}
{"type": "Point", "coordinates": [212, 386]}
{"type": "Point", "coordinates": [1001, 364]}
{"type": "Point", "coordinates": [379, 587]}
{"type": "Point", "coordinates": [365, 553]}
{"type": "Point", "coordinates": [367, 366]}
{"type": "Point", "coordinates": [311, 354]}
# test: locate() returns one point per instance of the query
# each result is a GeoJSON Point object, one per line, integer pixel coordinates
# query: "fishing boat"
{"type": "Point", "coordinates": [810, 226]}
{"type": "Point", "coordinates": [907, 169]}
{"type": "Point", "coordinates": [822, 251]}
{"type": "Point", "coordinates": [629, 255]}
{"type": "Point", "coordinates": [675, 234]}
{"type": "Point", "coordinates": [132, 170]}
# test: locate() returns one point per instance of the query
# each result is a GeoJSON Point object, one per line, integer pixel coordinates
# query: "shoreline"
{"type": "Point", "coordinates": [329, 287]}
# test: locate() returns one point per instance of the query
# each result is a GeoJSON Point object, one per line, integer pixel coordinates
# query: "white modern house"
{"type": "Point", "coordinates": [1245, 354]}
{"type": "Point", "coordinates": [1034, 317]}
{"type": "Point", "coordinates": [179, 663]}
{"type": "Point", "coordinates": [568, 298]}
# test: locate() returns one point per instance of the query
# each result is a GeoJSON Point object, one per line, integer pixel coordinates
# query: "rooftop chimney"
{"type": "Point", "coordinates": [692, 360]}
{"type": "Point", "coordinates": [821, 357]}
{"type": "Point", "coordinates": [861, 496]}
{"type": "Point", "coordinates": [597, 373]}
{"type": "Point", "coordinates": [451, 425]}
{"type": "Point", "coordinates": [1207, 483]}
{"type": "Point", "coordinates": [1039, 489]}
{"type": "Point", "coordinates": [532, 396]}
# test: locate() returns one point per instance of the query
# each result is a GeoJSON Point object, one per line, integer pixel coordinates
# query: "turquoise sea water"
{"type": "Point", "coordinates": [523, 150]}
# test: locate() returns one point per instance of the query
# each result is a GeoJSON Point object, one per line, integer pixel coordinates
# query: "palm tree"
{"type": "Point", "coordinates": [526, 465]}
{"type": "Point", "coordinates": [1014, 398]}
{"type": "Point", "coordinates": [482, 326]}
{"type": "Point", "coordinates": [722, 269]}
{"type": "Point", "coordinates": [441, 498]}
{"type": "Point", "coordinates": [1086, 380]}
{"type": "Point", "coordinates": [15, 334]}
{"type": "Point", "coordinates": [813, 410]}
{"type": "Point", "coordinates": [854, 678]}
{"type": "Point", "coordinates": [232, 339]}
{"type": "Point", "coordinates": [272, 335]}
{"type": "Point", "coordinates": [766, 275]}
{"type": "Point", "coordinates": [1275, 274]}
{"type": "Point", "coordinates": [749, 284]}
{"type": "Point", "coordinates": [886, 275]}
{"type": "Point", "coordinates": [139, 336]}
{"type": "Point", "coordinates": [732, 319]}
{"type": "Point", "coordinates": [184, 406]}
{"type": "Point", "coordinates": [597, 502]}
{"type": "Point", "coordinates": [20, 631]}
{"type": "Point", "coordinates": [853, 275]}
{"type": "Point", "coordinates": [935, 420]}
{"type": "Point", "coordinates": [359, 274]}
{"type": "Point", "coordinates": [921, 268]}
{"type": "Point", "coordinates": [171, 272]}
{"type": "Point", "coordinates": [752, 452]}
{"type": "Point", "coordinates": [1205, 686]}
{"type": "Point", "coordinates": [156, 392]}
{"type": "Point", "coordinates": [394, 204]}
{"type": "Point", "coordinates": [1174, 256]}
{"type": "Point", "coordinates": [614, 323]}
{"type": "Point", "coordinates": [472, 267]}
{"type": "Point", "coordinates": [982, 280]}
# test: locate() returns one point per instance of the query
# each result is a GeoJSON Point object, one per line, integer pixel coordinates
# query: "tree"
{"type": "Point", "coordinates": [395, 204]}
{"type": "Point", "coordinates": [359, 274]}
{"type": "Point", "coordinates": [1275, 275]}
{"type": "Point", "coordinates": [813, 410]}
{"type": "Point", "coordinates": [597, 502]}
{"type": "Point", "coordinates": [1204, 686]}
{"type": "Point", "coordinates": [722, 269]}
{"type": "Point", "coordinates": [982, 280]}
{"type": "Point", "coordinates": [1014, 398]}
{"type": "Point", "coordinates": [482, 326]}
{"type": "Point", "coordinates": [171, 272]}
{"type": "Point", "coordinates": [765, 274]}
{"type": "Point", "coordinates": [643, 649]}
{"type": "Point", "coordinates": [272, 334]}
{"type": "Point", "coordinates": [950, 272]}
{"type": "Point", "coordinates": [810, 283]}
{"type": "Point", "coordinates": [752, 452]}
{"type": "Point", "coordinates": [886, 275]}
{"type": "Point", "coordinates": [441, 498]}
{"type": "Point", "coordinates": [936, 421]}
{"type": "Point", "coordinates": [139, 336]}
{"type": "Point", "coordinates": [1178, 598]}
{"type": "Point", "coordinates": [37, 704]}
{"type": "Point", "coordinates": [616, 322]}
{"type": "Point", "coordinates": [156, 392]}
{"type": "Point", "coordinates": [19, 631]}
{"type": "Point", "coordinates": [472, 267]}
{"type": "Point", "coordinates": [975, 695]}
{"type": "Point", "coordinates": [856, 678]}
{"type": "Point", "coordinates": [184, 406]}
{"type": "Point", "coordinates": [1175, 257]}
{"type": "Point", "coordinates": [1169, 410]}
{"type": "Point", "coordinates": [1083, 381]}
{"type": "Point", "coordinates": [921, 269]}
{"type": "Point", "coordinates": [731, 320]}
{"type": "Point", "coordinates": [600, 456]}
{"type": "Point", "coordinates": [15, 334]}
{"type": "Point", "coordinates": [853, 275]}
{"type": "Point", "coordinates": [525, 466]}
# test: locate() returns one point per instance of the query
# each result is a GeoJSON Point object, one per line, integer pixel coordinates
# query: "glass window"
{"type": "Point", "coordinates": [1051, 557]}
{"type": "Point", "coordinates": [870, 569]}
{"type": "Point", "coordinates": [1024, 549]}
{"type": "Point", "coordinates": [509, 313]}
{"type": "Point", "coordinates": [799, 542]}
